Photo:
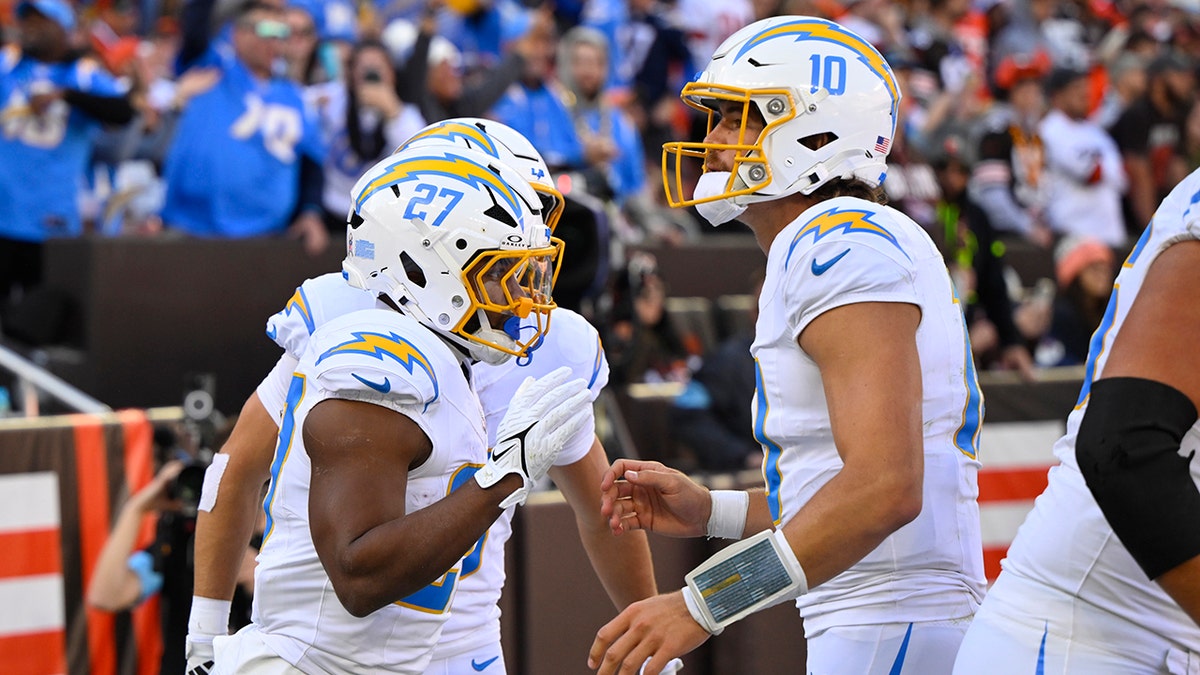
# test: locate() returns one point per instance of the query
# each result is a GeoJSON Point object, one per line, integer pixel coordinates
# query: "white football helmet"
{"type": "Point", "coordinates": [455, 239]}
{"type": "Point", "coordinates": [505, 144]}
{"type": "Point", "coordinates": [806, 76]}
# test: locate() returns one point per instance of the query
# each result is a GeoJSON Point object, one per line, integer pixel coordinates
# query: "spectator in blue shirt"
{"type": "Point", "coordinates": [246, 160]}
{"type": "Point", "coordinates": [612, 147]}
{"type": "Point", "coordinates": [537, 107]}
{"type": "Point", "coordinates": [51, 103]}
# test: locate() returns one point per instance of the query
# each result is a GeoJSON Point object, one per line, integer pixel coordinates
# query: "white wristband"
{"type": "Point", "coordinates": [729, 509]}
{"type": "Point", "coordinates": [689, 599]}
{"type": "Point", "coordinates": [209, 617]}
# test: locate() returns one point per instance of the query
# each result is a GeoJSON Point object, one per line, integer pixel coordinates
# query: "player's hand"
{"type": "Point", "coordinates": [640, 495]}
{"type": "Point", "coordinates": [658, 629]}
{"type": "Point", "coordinates": [199, 652]}
{"type": "Point", "coordinates": [544, 414]}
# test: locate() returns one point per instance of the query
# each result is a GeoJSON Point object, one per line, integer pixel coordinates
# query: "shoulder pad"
{"type": "Point", "coordinates": [847, 219]}
{"type": "Point", "coordinates": [315, 302]}
{"type": "Point", "coordinates": [381, 356]}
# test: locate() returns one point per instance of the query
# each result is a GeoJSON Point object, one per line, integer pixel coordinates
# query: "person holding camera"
{"type": "Point", "coordinates": [362, 120]}
{"type": "Point", "coordinates": [126, 576]}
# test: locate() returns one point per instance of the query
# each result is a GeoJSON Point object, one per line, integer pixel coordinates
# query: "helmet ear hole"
{"type": "Point", "coordinates": [817, 141]}
{"type": "Point", "coordinates": [461, 244]}
{"type": "Point", "coordinates": [412, 270]}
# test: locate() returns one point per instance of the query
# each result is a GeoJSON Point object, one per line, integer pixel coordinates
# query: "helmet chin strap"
{"type": "Point", "coordinates": [512, 327]}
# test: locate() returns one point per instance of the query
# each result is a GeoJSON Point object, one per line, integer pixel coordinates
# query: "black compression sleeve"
{"type": "Point", "coordinates": [1128, 451]}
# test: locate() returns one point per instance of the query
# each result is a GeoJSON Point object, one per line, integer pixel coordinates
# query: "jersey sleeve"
{"type": "Point", "coordinates": [292, 326]}
{"type": "Point", "coordinates": [314, 303]}
{"type": "Point", "coordinates": [585, 356]}
{"type": "Point", "coordinates": [272, 391]}
{"type": "Point", "coordinates": [377, 367]}
{"type": "Point", "coordinates": [841, 272]}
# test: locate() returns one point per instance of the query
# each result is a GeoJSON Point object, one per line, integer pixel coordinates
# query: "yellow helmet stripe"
{"type": "Point", "coordinates": [451, 130]}
{"type": "Point", "coordinates": [448, 166]}
{"type": "Point", "coordinates": [828, 31]}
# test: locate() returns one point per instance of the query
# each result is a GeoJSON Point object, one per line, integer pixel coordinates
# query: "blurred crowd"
{"type": "Point", "coordinates": [1045, 127]}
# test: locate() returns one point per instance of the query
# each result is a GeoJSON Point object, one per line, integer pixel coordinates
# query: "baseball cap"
{"type": "Point", "coordinates": [1061, 78]}
{"type": "Point", "coordinates": [58, 11]}
{"type": "Point", "coordinates": [1169, 62]}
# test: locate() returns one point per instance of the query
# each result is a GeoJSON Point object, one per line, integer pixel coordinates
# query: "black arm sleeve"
{"type": "Point", "coordinates": [1128, 452]}
{"type": "Point", "coordinates": [194, 18]}
{"type": "Point", "coordinates": [106, 109]}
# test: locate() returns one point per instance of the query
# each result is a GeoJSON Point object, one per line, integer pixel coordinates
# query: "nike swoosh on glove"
{"type": "Point", "coordinates": [543, 415]}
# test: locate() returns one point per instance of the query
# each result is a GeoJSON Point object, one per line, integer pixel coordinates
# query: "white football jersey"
{"type": "Point", "coordinates": [844, 251]}
{"type": "Point", "coordinates": [388, 359]}
{"type": "Point", "coordinates": [315, 303]}
{"type": "Point", "coordinates": [571, 341]}
{"type": "Point", "coordinates": [1065, 542]}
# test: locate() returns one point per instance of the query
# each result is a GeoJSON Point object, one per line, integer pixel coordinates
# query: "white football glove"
{"type": "Point", "coordinates": [208, 618]}
{"type": "Point", "coordinates": [542, 416]}
{"type": "Point", "coordinates": [199, 654]}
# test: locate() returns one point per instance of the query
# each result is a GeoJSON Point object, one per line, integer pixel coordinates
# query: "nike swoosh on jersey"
{"type": "Point", "coordinates": [480, 666]}
{"type": "Point", "coordinates": [381, 388]}
{"type": "Point", "coordinates": [821, 268]}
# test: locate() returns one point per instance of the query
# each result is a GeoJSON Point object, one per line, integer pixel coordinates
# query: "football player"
{"type": "Point", "coordinates": [472, 634]}
{"type": "Point", "coordinates": [867, 405]}
{"type": "Point", "coordinates": [1104, 575]}
{"type": "Point", "coordinates": [368, 513]}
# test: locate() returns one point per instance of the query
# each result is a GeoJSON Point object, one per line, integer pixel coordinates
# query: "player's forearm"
{"type": "Point", "coordinates": [758, 515]}
{"type": "Point", "coordinates": [399, 557]}
{"type": "Point", "coordinates": [114, 586]}
{"type": "Point", "coordinates": [223, 532]}
{"type": "Point", "coordinates": [222, 536]}
{"type": "Point", "coordinates": [849, 517]}
{"type": "Point", "coordinates": [623, 564]}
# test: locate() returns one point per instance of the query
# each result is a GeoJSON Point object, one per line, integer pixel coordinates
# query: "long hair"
{"type": "Point", "coordinates": [850, 187]}
{"type": "Point", "coordinates": [367, 144]}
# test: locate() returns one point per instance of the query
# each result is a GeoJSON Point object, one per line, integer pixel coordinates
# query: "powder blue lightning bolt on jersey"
{"type": "Point", "coordinates": [387, 359]}
{"type": "Point", "coordinates": [43, 157]}
{"type": "Point", "coordinates": [1065, 543]}
{"type": "Point", "coordinates": [234, 167]}
{"type": "Point", "coordinates": [838, 252]}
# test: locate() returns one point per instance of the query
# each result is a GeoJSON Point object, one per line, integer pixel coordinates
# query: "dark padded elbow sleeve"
{"type": "Point", "coordinates": [1128, 452]}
